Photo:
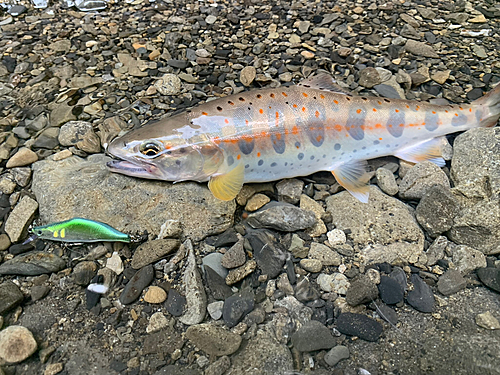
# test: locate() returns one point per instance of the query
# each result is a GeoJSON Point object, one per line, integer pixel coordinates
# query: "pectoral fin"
{"type": "Point", "coordinates": [323, 81]}
{"type": "Point", "coordinates": [354, 178]}
{"type": "Point", "coordinates": [227, 186]}
{"type": "Point", "coordinates": [428, 150]}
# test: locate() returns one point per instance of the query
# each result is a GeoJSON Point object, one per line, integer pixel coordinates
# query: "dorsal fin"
{"type": "Point", "coordinates": [325, 82]}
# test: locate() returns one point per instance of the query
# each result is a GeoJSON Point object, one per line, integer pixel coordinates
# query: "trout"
{"type": "Point", "coordinates": [270, 134]}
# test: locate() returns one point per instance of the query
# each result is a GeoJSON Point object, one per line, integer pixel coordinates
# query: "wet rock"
{"type": "Point", "coordinates": [80, 134]}
{"type": "Point", "coordinates": [324, 254]}
{"type": "Point", "coordinates": [247, 75]}
{"type": "Point", "coordinates": [240, 273]}
{"type": "Point", "coordinates": [213, 339]}
{"type": "Point", "coordinates": [169, 84]}
{"type": "Point", "coordinates": [84, 272]}
{"type": "Point", "coordinates": [150, 203]}
{"type": "Point", "coordinates": [305, 292]}
{"type": "Point", "coordinates": [196, 299]}
{"type": "Point", "coordinates": [467, 259]}
{"type": "Point", "coordinates": [21, 158]}
{"type": "Point", "coordinates": [490, 277]}
{"type": "Point", "coordinates": [176, 303]}
{"type": "Point", "coordinates": [421, 297]}
{"type": "Point", "coordinates": [16, 344]}
{"type": "Point", "coordinates": [290, 190]}
{"type": "Point", "coordinates": [386, 181]}
{"type": "Point", "coordinates": [153, 251]}
{"type": "Point", "coordinates": [214, 261]}
{"type": "Point", "coordinates": [61, 114]}
{"type": "Point", "coordinates": [487, 320]}
{"type": "Point", "coordinates": [155, 294]}
{"type": "Point", "coordinates": [313, 336]}
{"type": "Point", "coordinates": [297, 247]}
{"type": "Point", "coordinates": [420, 49]}
{"type": "Point", "coordinates": [336, 354]}
{"type": "Point", "coordinates": [361, 290]}
{"type": "Point", "coordinates": [20, 217]}
{"type": "Point", "coordinates": [419, 179]}
{"type": "Point", "coordinates": [137, 284]}
{"type": "Point", "coordinates": [236, 307]}
{"type": "Point", "coordinates": [283, 217]}
{"type": "Point", "coordinates": [10, 296]}
{"type": "Point", "coordinates": [391, 291]}
{"type": "Point", "coordinates": [32, 264]}
{"type": "Point", "coordinates": [436, 210]}
{"type": "Point", "coordinates": [369, 77]}
{"type": "Point", "coordinates": [451, 282]}
{"type": "Point", "coordinates": [269, 254]}
{"type": "Point", "coordinates": [235, 256]}
{"type": "Point", "coordinates": [359, 325]}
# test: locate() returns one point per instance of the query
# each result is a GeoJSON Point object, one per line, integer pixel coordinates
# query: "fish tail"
{"type": "Point", "coordinates": [491, 107]}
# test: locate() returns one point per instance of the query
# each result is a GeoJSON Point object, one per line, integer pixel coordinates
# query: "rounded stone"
{"type": "Point", "coordinates": [311, 265]}
{"type": "Point", "coordinates": [16, 344]}
{"type": "Point", "coordinates": [21, 158]}
{"type": "Point", "coordinates": [336, 354]}
{"type": "Point", "coordinates": [155, 294]}
{"type": "Point", "coordinates": [213, 340]}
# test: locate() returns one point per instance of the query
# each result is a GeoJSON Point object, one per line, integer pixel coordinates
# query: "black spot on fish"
{"type": "Point", "coordinates": [273, 164]}
{"type": "Point", "coordinates": [337, 146]}
{"type": "Point", "coordinates": [312, 157]}
{"type": "Point", "coordinates": [260, 162]}
{"type": "Point", "coordinates": [297, 144]}
{"type": "Point", "coordinates": [300, 156]}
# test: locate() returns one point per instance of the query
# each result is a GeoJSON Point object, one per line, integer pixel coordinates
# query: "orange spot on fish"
{"type": "Point", "coordinates": [389, 126]}
{"type": "Point", "coordinates": [461, 108]}
{"type": "Point", "coordinates": [258, 154]}
{"type": "Point", "coordinates": [396, 110]}
{"type": "Point", "coordinates": [247, 122]}
{"type": "Point", "coordinates": [374, 109]}
{"type": "Point", "coordinates": [401, 125]}
{"type": "Point", "coordinates": [378, 126]}
{"type": "Point", "coordinates": [321, 96]}
{"type": "Point", "coordinates": [446, 110]}
{"type": "Point", "coordinates": [295, 130]}
{"type": "Point", "coordinates": [284, 94]}
{"type": "Point", "coordinates": [272, 95]}
{"type": "Point", "coordinates": [261, 111]}
{"type": "Point", "coordinates": [407, 106]}
{"type": "Point", "coordinates": [230, 102]}
{"type": "Point", "coordinates": [278, 136]}
{"type": "Point", "coordinates": [264, 134]}
{"type": "Point", "coordinates": [238, 157]}
{"type": "Point", "coordinates": [316, 114]}
{"type": "Point", "coordinates": [294, 106]}
{"type": "Point", "coordinates": [305, 95]}
{"type": "Point", "coordinates": [336, 101]}
{"type": "Point", "coordinates": [380, 139]}
{"type": "Point", "coordinates": [379, 102]}
{"type": "Point", "coordinates": [204, 113]}
{"type": "Point", "coordinates": [358, 111]}
{"type": "Point", "coordinates": [417, 108]}
{"type": "Point", "coordinates": [297, 146]}
{"type": "Point", "coordinates": [433, 112]}
{"type": "Point", "coordinates": [216, 140]}
{"type": "Point", "coordinates": [226, 121]}
{"type": "Point", "coordinates": [470, 109]}
{"type": "Point", "coordinates": [456, 114]}
{"type": "Point", "coordinates": [338, 128]}
{"type": "Point", "coordinates": [303, 109]}
{"type": "Point", "coordinates": [319, 138]}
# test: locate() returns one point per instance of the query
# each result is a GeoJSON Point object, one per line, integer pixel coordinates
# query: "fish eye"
{"type": "Point", "coordinates": [150, 148]}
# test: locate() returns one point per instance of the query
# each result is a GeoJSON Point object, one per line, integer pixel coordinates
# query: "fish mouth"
{"type": "Point", "coordinates": [131, 169]}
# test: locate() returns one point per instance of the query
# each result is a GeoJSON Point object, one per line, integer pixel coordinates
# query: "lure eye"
{"type": "Point", "coordinates": [39, 232]}
{"type": "Point", "coordinates": [150, 148]}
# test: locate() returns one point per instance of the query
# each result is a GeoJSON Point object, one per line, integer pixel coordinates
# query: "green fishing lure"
{"type": "Point", "coordinates": [79, 230]}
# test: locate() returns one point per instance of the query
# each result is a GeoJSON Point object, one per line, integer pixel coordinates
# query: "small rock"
{"type": "Point", "coordinates": [153, 251]}
{"type": "Point", "coordinates": [170, 229]}
{"type": "Point", "coordinates": [168, 84]}
{"type": "Point", "coordinates": [421, 297]}
{"type": "Point", "coordinates": [467, 259]}
{"type": "Point", "coordinates": [290, 190]}
{"type": "Point", "coordinates": [210, 19]}
{"type": "Point", "coordinates": [336, 282]}
{"type": "Point", "coordinates": [323, 253]}
{"type": "Point", "coordinates": [487, 320]}
{"type": "Point", "coordinates": [310, 204]}
{"type": "Point", "coordinates": [157, 322]}
{"type": "Point", "coordinates": [175, 303]}
{"type": "Point", "coordinates": [311, 265]}
{"type": "Point", "coordinates": [313, 336]}
{"type": "Point", "coordinates": [114, 263]}
{"type": "Point", "coordinates": [53, 368]}
{"type": "Point", "coordinates": [20, 217]}
{"type": "Point", "coordinates": [247, 75]}
{"type": "Point", "coordinates": [269, 253]}
{"type": "Point", "coordinates": [219, 367]}
{"type": "Point", "coordinates": [256, 202]}
{"type": "Point", "coordinates": [236, 307]}
{"type": "Point", "coordinates": [420, 179]}
{"type": "Point", "coordinates": [305, 292]}
{"type": "Point", "coordinates": [391, 291]}
{"type": "Point", "coordinates": [215, 309]}
{"type": "Point", "coordinates": [369, 77]}
{"type": "Point", "coordinates": [336, 237]}
{"type": "Point", "coordinates": [214, 261]}
{"type": "Point", "coordinates": [217, 284]}
{"type": "Point", "coordinates": [359, 325]}
{"type": "Point", "coordinates": [451, 282]}
{"type": "Point", "coordinates": [441, 76]}
{"type": "Point", "coordinates": [386, 181]}
{"type": "Point", "coordinates": [436, 210]}
{"type": "Point", "coordinates": [24, 156]}
{"type": "Point", "coordinates": [84, 272]}
{"type": "Point", "coordinates": [10, 296]}
{"type": "Point", "coordinates": [283, 217]}
{"type": "Point", "coordinates": [490, 277]}
{"type": "Point", "coordinates": [284, 285]}
{"type": "Point", "coordinates": [16, 344]}
{"type": "Point", "coordinates": [297, 247]}
{"type": "Point", "coordinates": [361, 290]}
{"type": "Point", "coordinates": [80, 134]}
{"type": "Point", "coordinates": [4, 242]}
{"type": "Point", "coordinates": [155, 294]}
{"type": "Point", "coordinates": [435, 252]}
{"type": "Point", "coordinates": [33, 264]}
{"type": "Point", "coordinates": [336, 354]}
{"type": "Point", "coordinates": [235, 256]}
{"type": "Point", "coordinates": [136, 285]}
{"type": "Point", "coordinates": [420, 49]}
{"type": "Point", "coordinates": [213, 339]}
{"type": "Point", "coordinates": [37, 292]}
{"type": "Point", "coordinates": [240, 273]}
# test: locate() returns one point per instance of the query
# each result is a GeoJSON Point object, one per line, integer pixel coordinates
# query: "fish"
{"type": "Point", "coordinates": [276, 133]}
{"type": "Point", "coordinates": [79, 229]}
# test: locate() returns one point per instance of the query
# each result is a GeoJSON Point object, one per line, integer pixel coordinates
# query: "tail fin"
{"type": "Point", "coordinates": [491, 107]}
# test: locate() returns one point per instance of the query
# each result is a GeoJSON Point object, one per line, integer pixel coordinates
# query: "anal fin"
{"type": "Point", "coordinates": [227, 186]}
{"type": "Point", "coordinates": [429, 150]}
{"type": "Point", "coordinates": [353, 176]}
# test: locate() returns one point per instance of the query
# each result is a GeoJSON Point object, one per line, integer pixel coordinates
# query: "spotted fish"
{"type": "Point", "coordinates": [271, 134]}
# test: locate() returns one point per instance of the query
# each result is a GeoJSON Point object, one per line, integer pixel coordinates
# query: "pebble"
{"type": "Point", "coordinates": [240, 273]}
{"type": "Point", "coordinates": [236, 307]}
{"type": "Point", "coordinates": [213, 339]}
{"type": "Point", "coordinates": [421, 178]}
{"type": "Point", "coordinates": [21, 158]}
{"type": "Point", "coordinates": [359, 325]}
{"type": "Point", "coordinates": [311, 265]}
{"type": "Point", "coordinates": [310, 204]}
{"type": "Point", "coordinates": [247, 75]}
{"type": "Point", "coordinates": [290, 190]}
{"type": "Point", "coordinates": [336, 237]}
{"type": "Point", "coordinates": [38, 292]}
{"type": "Point", "coordinates": [451, 282]}
{"type": "Point", "coordinates": [421, 297]}
{"type": "Point", "coordinates": [136, 285]}
{"type": "Point", "coordinates": [84, 272]}
{"type": "Point", "coordinates": [80, 134]}
{"type": "Point", "coordinates": [20, 217]}
{"type": "Point", "coordinates": [235, 256]}
{"type": "Point", "coordinates": [153, 251]}
{"type": "Point", "coordinates": [33, 264]}
{"type": "Point", "coordinates": [219, 367]}
{"type": "Point", "coordinates": [386, 181]}
{"type": "Point", "coordinates": [157, 322]}
{"type": "Point", "coordinates": [4, 242]}
{"type": "Point", "coordinates": [420, 49]}
{"type": "Point", "coordinates": [214, 261]}
{"type": "Point", "coordinates": [297, 247]}
{"type": "Point", "coordinates": [324, 254]}
{"type": "Point", "coordinates": [487, 320]}
{"type": "Point", "coordinates": [361, 290]}
{"type": "Point", "coordinates": [217, 285]}
{"type": "Point", "coordinates": [155, 294]}
{"type": "Point", "coordinates": [215, 309]}
{"type": "Point", "coordinates": [53, 368]}
{"type": "Point", "coordinates": [16, 344]}
{"type": "Point", "coordinates": [437, 210]}
{"type": "Point", "coordinates": [114, 263]}
{"type": "Point", "coordinates": [256, 202]}
{"type": "Point", "coordinates": [283, 217]}
{"type": "Point", "coordinates": [313, 336]}
{"type": "Point", "coordinates": [391, 291]}
{"type": "Point", "coordinates": [170, 229]}
{"type": "Point", "coordinates": [284, 285]}
{"type": "Point", "coordinates": [336, 354]}
{"type": "Point", "coordinates": [176, 303]}
{"type": "Point", "coordinates": [168, 84]}
{"type": "Point", "coordinates": [10, 296]}
{"type": "Point", "coordinates": [467, 259]}
{"type": "Point", "coordinates": [336, 282]}
{"type": "Point", "coordinates": [490, 277]}
{"type": "Point", "coordinates": [268, 253]}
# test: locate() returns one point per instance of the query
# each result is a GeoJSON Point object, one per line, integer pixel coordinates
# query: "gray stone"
{"type": "Point", "coordinates": [238, 274]}
{"type": "Point", "coordinates": [369, 77]}
{"type": "Point", "coordinates": [408, 31]}
{"type": "Point", "coordinates": [313, 336]}
{"type": "Point", "coordinates": [490, 277]}
{"type": "Point", "coordinates": [311, 265]}
{"type": "Point", "coordinates": [420, 297]}
{"type": "Point", "coordinates": [299, 313]}
{"type": "Point", "coordinates": [32, 264]}
{"type": "Point", "coordinates": [177, 370]}
{"type": "Point", "coordinates": [62, 114]}
{"type": "Point", "coordinates": [84, 272]}
{"type": "Point", "coordinates": [152, 251]}
{"type": "Point", "coordinates": [16, 344]}
{"type": "Point", "coordinates": [48, 139]}
{"type": "Point", "coordinates": [467, 259]}
{"type": "Point", "coordinates": [487, 320]}
{"type": "Point", "coordinates": [63, 45]}
{"type": "Point", "coordinates": [284, 285]}
{"type": "Point", "coordinates": [323, 253]}
{"type": "Point", "coordinates": [247, 75]}
{"type": "Point", "coordinates": [22, 176]}
{"type": "Point", "coordinates": [361, 290]}
{"type": "Point", "coordinates": [196, 298]}
{"type": "Point", "coordinates": [421, 178]}
{"type": "Point", "coordinates": [169, 84]}
{"type": "Point", "coordinates": [384, 221]}
{"type": "Point", "coordinates": [269, 253]}
{"type": "Point", "coordinates": [359, 325]}
{"type": "Point", "coordinates": [336, 354]}
{"type": "Point", "coordinates": [297, 247]}
{"type": "Point", "coordinates": [80, 134]}
{"type": "Point", "coordinates": [420, 49]}
{"type": "Point", "coordinates": [137, 284]}
{"type": "Point", "coordinates": [10, 296]}
{"type": "Point", "coordinates": [263, 355]}
{"type": "Point", "coordinates": [213, 339]}
{"type": "Point", "coordinates": [435, 252]}
{"type": "Point", "coordinates": [290, 190]}
{"type": "Point", "coordinates": [214, 261]}
{"type": "Point", "coordinates": [236, 307]}
{"type": "Point", "coordinates": [451, 282]}
{"type": "Point", "coordinates": [215, 309]}
{"type": "Point", "coordinates": [235, 256]}
{"type": "Point", "coordinates": [219, 367]}
{"type": "Point", "coordinates": [386, 181]}
{"type": "Point", "coordinates": [128, 204]}
{"type": "Point", "coordinates": [20, 218]}
{"type": "Point", "coordinates": [282, 216]}
{"type": "Point", "coordinates": [436, 210]}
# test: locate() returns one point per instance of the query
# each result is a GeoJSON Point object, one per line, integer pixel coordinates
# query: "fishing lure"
{"type": "Point", "coordinates": [79, 230]}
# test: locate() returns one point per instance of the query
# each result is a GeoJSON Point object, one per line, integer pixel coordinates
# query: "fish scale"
{"type": "Point", "coordinates": [270, 134]}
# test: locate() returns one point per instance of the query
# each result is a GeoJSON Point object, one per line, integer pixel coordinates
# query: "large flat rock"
{"type": "Point", "coordinates": [86, 188]}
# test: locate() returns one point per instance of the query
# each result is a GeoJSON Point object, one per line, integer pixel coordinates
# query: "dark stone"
{"type": "Point", "coordinates": [421, 297]}
{"type": "Point", "coordinates": [38, 292]}
{"type": "Point", "coordinates": [387, 91]}
{"type": "Point", "coordinates": [175, 303]}
{"type": "Point", "coordinates": [359, 325]}
{"type": "Point", "coordinates": [490, 277]}
{"type": "Point", "coordinates": [305, 292]}
{"type": "Point", "coordinates": [474, 94]}
{"type": "Point", "coordinates": [290, 271]}
{"type": "Point", "coordinates": [163, 342]}
{"type": "Point", "coordinates": [84, 272]}
{"type": "Point", "coordinates": [16, 10]}
{"type": "Point", "coordinates": [400, 276]}
{"type": "Point", "coordinates": [313, 336]}
{"type": "Point", "coordinates": [17, 249]}
{"type": "Point", "coordinates": [217, 285]}
{"type": "Point", "coordinates": [10, 296]}
{"type": "Point", "coordinates": [228, 238]}
{"type": "Point", "coordinates": [136, 285]}
{"type": "Point", "coordinates": [236, 307]}
{"type": "Point", "coordinates": [430, 37]}
{"type": "Point", "coordinates": [361, 290]}
{"type": "Point", "coordinates": [32, 264]}
{"type": "Point", "coordinates": [436, 210]}
{"type": "Point", "coordinates": [177, 370]}
{"type": "Point", "coordinates": [92, 297]}
{"type": "Point", "coordinates": [387, 313]}
{"type": "Point", "coordinates": [451, 282]}
{"type": "Point", "coordinates": [390, 290]}
{"type": "Point", "coordinates": [269, 253]}
{"type": "Point", "coordinates": [118, 366]}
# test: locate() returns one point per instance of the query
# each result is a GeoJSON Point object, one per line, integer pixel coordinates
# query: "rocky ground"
{"type": "Point", "coordinates": [295, 277]}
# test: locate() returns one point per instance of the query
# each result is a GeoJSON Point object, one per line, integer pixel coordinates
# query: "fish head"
{"type": "Point", "coordinates": [169, 150]}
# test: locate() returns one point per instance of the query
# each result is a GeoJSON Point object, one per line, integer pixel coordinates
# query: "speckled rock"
{"type": "Point", "coordinates": [21, 158]}
{"type": "Point", "coordinates": [16, 344]}
{"type": "Point", "coordinates": [421, 178]}
{"type": "Point", "coordinates": [213, 339]}
{"type": "Point", "coordinates": [152, 251]}
{"type": "Point", "coordinates": [20, 217]}
{"type": "Point", "coordinates": [313, 336]}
